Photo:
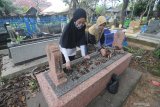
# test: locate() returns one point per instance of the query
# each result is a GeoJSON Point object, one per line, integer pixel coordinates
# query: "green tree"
{"type": "Point", "coordinates": [88, 5]}
{"type": "Point", "coordinates": [7, 7]}
{"type": "Point", "coordinates": [144, 8]}
{"type": "Point", "coordinates": [100, 10]}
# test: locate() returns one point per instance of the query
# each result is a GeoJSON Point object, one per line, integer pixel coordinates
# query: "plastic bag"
{"type": "Point", "coordinates": [113, 84]}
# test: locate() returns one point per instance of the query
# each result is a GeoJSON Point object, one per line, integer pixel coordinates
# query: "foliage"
{"type": "Point", "coordinates": [156, 71]}
{"type": "Point", "coordinates": [19, 38]}
{"type": "Point", "coordinates": [88, 5]}
{"type": "Point", "coordinates": [33, 85]}
{"type": "Point", "coordinates": [7, 7]}
{"type": "Point", "coordinates": [3, 80]}
{"type": "Point", "coordinates": [100, 10]}
{"type": "Point", "coordinates": [157, 53]}
{"type": "Point", "coordinates": [140, 7]}
{"type": "Point", "coordinates": [135, 52]}
{"type": "Point", "coordinates": [129, 49]}
{"type": "Point", "coordinates": [25, 9]}
{"type": "Point", "coordinates": [158, 7]}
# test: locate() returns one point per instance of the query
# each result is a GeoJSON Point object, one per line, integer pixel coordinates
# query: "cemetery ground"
{"type": "Point", "coordinates": [15, 92]}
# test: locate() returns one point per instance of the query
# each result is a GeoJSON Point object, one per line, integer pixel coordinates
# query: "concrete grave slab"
{"type": "Point", "coordinates": [85, 82]}
{"type": "Point", "coordinates": [9, 70]}
{"type": "Point", "coordinates": [128, 80]}
{"type": "Point", "coordinates": [30, 50]}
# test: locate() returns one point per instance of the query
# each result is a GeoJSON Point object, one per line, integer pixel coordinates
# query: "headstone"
{"type": "Point", "coordinates": [43, 28]}
{"type": "Point", "coordinates": [51, 29]}
{"type": "Point", "coordinates": [133, 27]}
{"type": "Point", "coordinates": [55, 64]}
{"type": "Point", "coordinates": [153, 26]}
{"type": "Point", "coordinates": [55, 29]}
{"type": "Point", "coordinates": [12, 34]}
{"type": "Point", "coordinates": [118, 39]}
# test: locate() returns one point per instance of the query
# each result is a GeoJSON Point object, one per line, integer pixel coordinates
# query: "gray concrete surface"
{"type": "Point", "coordinates": [153, 38]}
{"type": "Point", "coordinates": [9, 70]}
{"type": "Point", "coordinates": [128, 81]}
{"type": "Point", "coordinates": [4, 51]}
{"type": "Point", "coordinates": [30, 51]}
{"type": "Point", "coordinates": [37, 101]}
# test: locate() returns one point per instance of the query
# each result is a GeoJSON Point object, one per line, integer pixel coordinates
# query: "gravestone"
{"type": "Point", "coordinates": [11, 33]}
{"type": "Point", "coordinates": [118, 39]}
{"type": "Point", "coordinates": [133, 27]}
{"type": "Point", "coordinates": [51, 29]}
{"type": "Point", "coordinates": [55, 64]}
{"type": "Point", "coordinates": [153, 27]}
{"type": "Point", "coordinates": [43, 28]}
{"type": "Point", "coordinates": [55, 29]}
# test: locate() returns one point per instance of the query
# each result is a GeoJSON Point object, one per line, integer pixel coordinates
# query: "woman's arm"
{"type": "Point", "coordinates": [64, 52]}
{"type": "Point", "coordinates": [83, 50]}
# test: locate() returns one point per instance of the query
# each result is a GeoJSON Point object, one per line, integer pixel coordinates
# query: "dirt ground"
{"type": "Point", "coordinates": [145, 93]}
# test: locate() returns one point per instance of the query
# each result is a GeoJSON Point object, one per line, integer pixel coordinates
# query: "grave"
{"type": "Point", "coordinates": [152, 34]}
{"type": "Point", "coordinates": [30, 49]}
{"type": "Point", "coordinates": [134, 27]}
{"type": "Point", "coordinates": [32, 46]}
{"type": "Point", "coordinates": [153, 27]}
{"type": "Point", "coordinates": [27, 55]}
{"type": "Point", "coordinates": [118, 39]}
{"type": "Point", "coordinates": [80, 85]}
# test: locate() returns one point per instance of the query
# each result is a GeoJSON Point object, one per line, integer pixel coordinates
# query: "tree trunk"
{"type": "Point", "coordinates": [149, 3]}
{"type": "Point", "coordinates": [74, 4]}
{"type": "Point", "coordinates": [133, 7]}
{"type": "Point", "coordinates": [123, 12]}
{"type": "Point", "coordinates": [72, 7]}
{"type": "Point", "coordinates": [149, 12]}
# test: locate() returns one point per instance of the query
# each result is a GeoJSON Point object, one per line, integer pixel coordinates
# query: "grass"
{"type": "Point", "coordinates": [147, 60]}
{"type": "Point", "coordinates": [156, 53]}
{"type": "Point", "coordinates": [156, 71]}
{"type": "Point", "coordinates": [33, 85]}
{"type": "Point", "coordinates": [3, 80]}
{"type": "Point", "coordinates": [135, 52]}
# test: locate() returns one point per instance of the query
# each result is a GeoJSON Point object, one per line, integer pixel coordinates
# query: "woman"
{"type": "Point", "coordinates": [96, 31]}
{"type": "Point", "coordinates": [74, 36]}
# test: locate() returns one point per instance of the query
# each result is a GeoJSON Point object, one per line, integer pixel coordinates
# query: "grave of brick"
{"type": "Point", "coordinates": [134, 27]}
{"type": "Point", "coordinates": [80, 85]}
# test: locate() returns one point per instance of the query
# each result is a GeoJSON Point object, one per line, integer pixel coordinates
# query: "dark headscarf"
{"type": "Point", "coordinates": [79, 13]}
{"type": "Point", "coordinates": [71, 36]}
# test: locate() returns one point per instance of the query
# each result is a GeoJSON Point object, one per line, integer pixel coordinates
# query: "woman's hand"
{"type": "Point", "coordinates": [68, 65]}
{"type": "Point", "coordinates": [87, 57]}
{"type": "Point", "coordinates": [103, 52]}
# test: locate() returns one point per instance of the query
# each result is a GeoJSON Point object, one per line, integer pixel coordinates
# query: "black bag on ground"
{"type": "Point", "coordinates": [113, 84]}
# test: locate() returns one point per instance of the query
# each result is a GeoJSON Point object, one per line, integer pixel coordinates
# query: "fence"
{"type": "Point", "coordinates": [29, 23]}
